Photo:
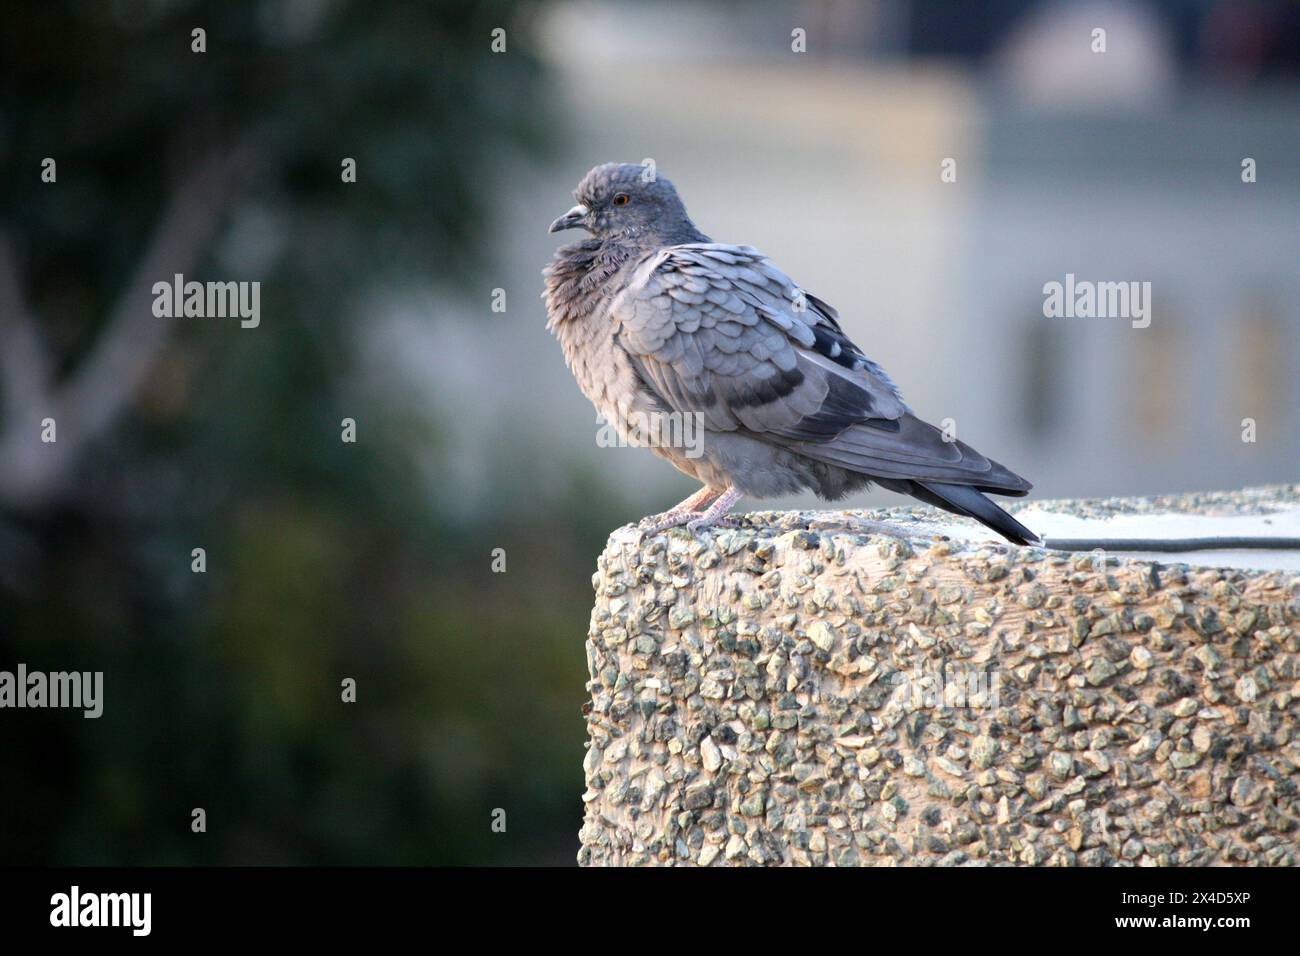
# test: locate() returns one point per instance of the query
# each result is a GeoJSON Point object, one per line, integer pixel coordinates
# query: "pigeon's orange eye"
{"type": "Point", "coordinates": [622, 199]}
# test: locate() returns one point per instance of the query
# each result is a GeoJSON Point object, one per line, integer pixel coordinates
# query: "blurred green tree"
{"type": "Point", "coordinates": [325, 560]}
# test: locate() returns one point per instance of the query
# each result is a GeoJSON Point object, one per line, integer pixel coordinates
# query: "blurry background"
{"type": "Point", "coordinates": [373, 560]}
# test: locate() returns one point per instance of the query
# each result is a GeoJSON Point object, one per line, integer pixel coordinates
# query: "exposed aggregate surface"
{"type": "Point", "coordinates": [791, 692]}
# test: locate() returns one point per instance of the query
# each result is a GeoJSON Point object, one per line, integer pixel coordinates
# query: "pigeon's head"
{"type": "Point", "coordinates": [629, 201]}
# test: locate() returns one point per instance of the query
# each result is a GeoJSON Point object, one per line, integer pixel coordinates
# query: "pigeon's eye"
{"type": "Point", "coordinates": [622, 199]}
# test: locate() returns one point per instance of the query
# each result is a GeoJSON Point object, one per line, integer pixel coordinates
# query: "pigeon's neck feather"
{"type": "Point", "coordinates": [579, 276]}
{"type": "Point", "coordinates": [580, 283]}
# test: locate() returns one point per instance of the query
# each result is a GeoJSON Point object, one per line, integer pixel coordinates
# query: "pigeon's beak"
{"type": "Point", "coordinates": [571, 219]}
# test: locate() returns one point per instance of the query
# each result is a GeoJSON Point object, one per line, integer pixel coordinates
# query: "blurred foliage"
{"type": "Point", "coordinates": [325, 560]}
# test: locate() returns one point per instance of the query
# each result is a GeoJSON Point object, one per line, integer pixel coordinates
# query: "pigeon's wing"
{"type": "Point", "coordinates": [718, 331]}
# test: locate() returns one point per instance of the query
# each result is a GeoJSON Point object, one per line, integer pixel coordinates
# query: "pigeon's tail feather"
{"type": "Point", "coordinates": [913, 450]}
{"type": "Point", "coordinates": [965, 500]}
{"type": "Point", "coordinates": [968, 502]}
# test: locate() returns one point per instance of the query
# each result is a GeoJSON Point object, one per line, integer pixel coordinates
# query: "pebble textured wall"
{"type": "Point", "coordinates": [799, 692]}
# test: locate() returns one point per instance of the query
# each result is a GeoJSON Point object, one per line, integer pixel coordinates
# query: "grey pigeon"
{"type": "Point", "coordinates": [661, 326]}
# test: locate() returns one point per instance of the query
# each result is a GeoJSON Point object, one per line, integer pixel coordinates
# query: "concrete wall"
{"type": "Point", "coordinates": [792, 693]}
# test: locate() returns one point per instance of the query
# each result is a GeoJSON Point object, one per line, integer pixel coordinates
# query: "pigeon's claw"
{"type": "Point", "coordinates": [696, 521]}
{"type": "Point", "coordinates": [703, 523]}
{"type": "Point", "coordinates": [653, 524]}
{"type": "Point", "coordinates": [716, 515]}
{"type": "Point", "coordinates": [693, 521]}
{"type": "Point", "coordinates": [669, 519]}
{"type": "Point", "coordinates": [686, 510]}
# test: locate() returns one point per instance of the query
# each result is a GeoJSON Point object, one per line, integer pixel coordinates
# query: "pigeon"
{"type": "Point", "coordinates": [670, 334]}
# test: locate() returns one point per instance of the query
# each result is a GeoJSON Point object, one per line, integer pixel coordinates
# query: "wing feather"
{"type": "Point", "coordinates": [719, 331]}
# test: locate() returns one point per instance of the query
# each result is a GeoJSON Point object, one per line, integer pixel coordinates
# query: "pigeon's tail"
{"type": "Point", "coordinates": [967, 501]}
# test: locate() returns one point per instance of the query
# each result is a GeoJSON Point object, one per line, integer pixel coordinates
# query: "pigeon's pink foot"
{"type": "Point", "coordinates": [696, 521]}
{"type": "Point", "coordinates": [686, 510]}
{"type": "Point", "coordinates": [704, 522]}
{"type": "Point", "coordinates": [693, 521]}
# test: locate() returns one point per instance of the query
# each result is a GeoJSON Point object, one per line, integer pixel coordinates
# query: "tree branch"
{"type": "Point", "coordinates": [24, 362]}
{"type": "Point", "coordinates": [31, 472]}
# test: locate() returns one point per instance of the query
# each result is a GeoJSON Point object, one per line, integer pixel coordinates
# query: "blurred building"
{"type": "Point", "coordinates": [1119, 166]}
